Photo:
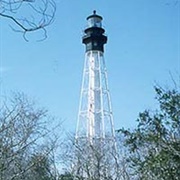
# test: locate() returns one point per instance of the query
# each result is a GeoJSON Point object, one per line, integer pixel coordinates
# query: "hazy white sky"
{"type": "Point", "coordinates": [143, 47]}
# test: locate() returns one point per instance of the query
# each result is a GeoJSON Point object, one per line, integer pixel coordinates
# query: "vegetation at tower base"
{"type": "Point", "coordinates": [26, 145]}
{"type": "Point", "coordinates": [151, 151]}
{"type": "Point", "coordinates": [28, 15]}
{"type": "Point", "coordinates": [154, 145]}
{"type": "Point", "coordinates": [89, 161]}
{"type": "Point", "coordinates": [66, 176]}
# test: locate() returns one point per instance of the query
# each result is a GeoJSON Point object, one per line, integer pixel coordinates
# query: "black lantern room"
{"type": "Point", "coordinates": [94, 37]}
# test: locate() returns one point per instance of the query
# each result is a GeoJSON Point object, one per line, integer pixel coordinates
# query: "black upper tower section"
{"type": "Point", "coordinates": [94, 37]}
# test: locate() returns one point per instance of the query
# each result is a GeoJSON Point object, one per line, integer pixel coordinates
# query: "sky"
{"type": "Point", "coordinates": [143, 49]}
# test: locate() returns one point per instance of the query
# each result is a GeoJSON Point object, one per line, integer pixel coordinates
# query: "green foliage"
{"type": "Point", "coordinates": [154, 145]}
{"type": "Point", "coordinates": [41, 169]}
{"type": "Point", "coordinates": [66, 176]}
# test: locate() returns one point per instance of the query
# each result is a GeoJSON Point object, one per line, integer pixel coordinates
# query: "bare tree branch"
{"type": "Point", "coordinates": [24, 133]}
{"type": "Point", "coordinates": [28, 15]}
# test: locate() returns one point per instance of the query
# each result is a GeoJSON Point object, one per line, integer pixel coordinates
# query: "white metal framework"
{"type": "Point", "coordinates": [95, 118]}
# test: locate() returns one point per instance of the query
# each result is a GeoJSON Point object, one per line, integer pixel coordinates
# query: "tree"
{"type": "Point", "coordinates": [25, 142]}
{"type": "Point", "coordinates": [41, 168]}
{"type": "Point", "coordinates": [28, 15]}
{"type": "Point", "coordinates": [66, 176]}
{"type": "Point", "coordinates": [154, 145]}
{"type": "Point", "coordinates": [91, 160]}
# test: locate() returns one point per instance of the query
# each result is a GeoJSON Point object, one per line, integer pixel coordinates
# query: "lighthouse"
{"type": "Point", "coordinates": [95, 155]}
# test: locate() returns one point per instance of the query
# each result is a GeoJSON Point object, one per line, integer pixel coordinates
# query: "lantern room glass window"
{"type": "Point", "coordinates": [94, 22]}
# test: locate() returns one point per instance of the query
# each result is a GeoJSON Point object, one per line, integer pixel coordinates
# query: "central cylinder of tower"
{"type": "Point", "coordinates": [94, 39]}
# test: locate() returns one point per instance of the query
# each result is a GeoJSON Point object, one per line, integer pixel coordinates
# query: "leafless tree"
{"type": "Point", "coordinates": [28, 15]}
{"type": "Point", "coordinates": [25, 141]}
{"type": "Point", "coordinates": [97, 160]}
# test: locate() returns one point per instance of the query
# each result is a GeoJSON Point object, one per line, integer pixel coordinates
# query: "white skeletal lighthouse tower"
{"type": "Point", "coordinates": [95, 129]}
